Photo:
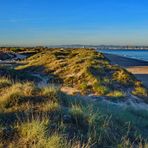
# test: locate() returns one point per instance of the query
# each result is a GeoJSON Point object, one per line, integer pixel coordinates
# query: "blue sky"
{"type": "Point", "coordinates": [55, 22]}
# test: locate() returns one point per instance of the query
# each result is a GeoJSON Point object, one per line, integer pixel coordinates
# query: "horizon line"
{"type": "Point", "coordinates": [124, 45]}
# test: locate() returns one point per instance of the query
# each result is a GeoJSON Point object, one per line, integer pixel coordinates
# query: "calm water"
{"type": "Point", "coordinates": [136, 54]}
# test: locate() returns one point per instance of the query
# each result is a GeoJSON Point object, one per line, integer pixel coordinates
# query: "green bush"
{"type": "Point", "coordinates": [140, 91]}
{"type": "Point", "coordinates": [123, 77]}
{"type": "Point", "coordinates": [116, 94]}
{"type": "Point", "coordinates": [16, 49]}
{"type": "Point", "coordinates": [101, 90]}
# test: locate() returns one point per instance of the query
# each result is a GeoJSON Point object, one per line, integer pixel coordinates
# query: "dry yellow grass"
{"type": "Point", "coordinates": [33, 117]}
{"type": "Point", "coordinates": [83, 71]}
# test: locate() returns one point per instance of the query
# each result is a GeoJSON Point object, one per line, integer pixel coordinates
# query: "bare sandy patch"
{"type": "Point", "coordinates": [138, 69]}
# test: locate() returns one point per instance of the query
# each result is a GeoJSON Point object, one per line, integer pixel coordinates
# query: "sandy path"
{"type": "Point", "coordinates": [138, 70]}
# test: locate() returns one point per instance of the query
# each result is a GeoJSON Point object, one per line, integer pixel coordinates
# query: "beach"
{"type": "Point", "coordinates": [138, 67]}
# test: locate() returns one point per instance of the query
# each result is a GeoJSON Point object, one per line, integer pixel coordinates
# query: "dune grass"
{"type": "Point", "coordinates": [46, 117]}
{"type": "Point", "coordinates": [11, 73]}
{"type": "Point", "coordinates": [140, 91]}
{"type": "Point", "coordinates": [117, 94]}
{"type": "Point", "coordinates": [5, 82]}
{"type": "Point", "coordinates": [85, 70]}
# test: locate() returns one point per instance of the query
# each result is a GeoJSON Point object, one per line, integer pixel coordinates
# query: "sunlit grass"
{"type": "Point", "coordinates": [5, 82]}
{"type": "Point", "coordinates": [46, 117]}
{"type": "Point", "coordinates": [140, 91]}
{"type": "Point", "coordinates": [65, 120]}
{"type": "Point", "coordinates": [85, 70]}
{"type": "Point", "coordinates": [116, 94]}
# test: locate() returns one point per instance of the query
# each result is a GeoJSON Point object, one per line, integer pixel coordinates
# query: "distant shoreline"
{"type": "Point", "coordinates": [133, 54]}
{"type": "Point", "coordinates": [97, 47]}
{"type": "Point", "coordinates": [125, 61]}
{"type": "Point", "coordinates": [122, 49]}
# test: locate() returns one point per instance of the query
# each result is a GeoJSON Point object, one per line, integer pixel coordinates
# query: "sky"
{"type": "Point", "coordinates": [62, 22]}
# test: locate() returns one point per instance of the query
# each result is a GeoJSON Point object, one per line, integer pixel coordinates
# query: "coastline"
{"type": "Point", "coordinates": [138, 67]}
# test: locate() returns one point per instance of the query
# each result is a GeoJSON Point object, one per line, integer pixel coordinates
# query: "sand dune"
{"type": "Point", "coordinates": [138, 67]}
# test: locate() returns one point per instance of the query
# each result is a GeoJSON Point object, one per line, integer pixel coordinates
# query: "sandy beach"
{"type": "Point", "coordinates": [138, 67]}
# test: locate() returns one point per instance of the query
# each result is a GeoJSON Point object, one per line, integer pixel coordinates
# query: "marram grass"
{"type": "Point", "coordinates": [46, 117]}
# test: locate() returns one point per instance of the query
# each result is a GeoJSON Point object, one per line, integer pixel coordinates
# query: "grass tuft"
{"type": "Point", "coordinates": [5, 82]}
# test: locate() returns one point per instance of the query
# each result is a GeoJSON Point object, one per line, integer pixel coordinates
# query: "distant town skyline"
{"type": "Point", "coordinates": [66, 22]}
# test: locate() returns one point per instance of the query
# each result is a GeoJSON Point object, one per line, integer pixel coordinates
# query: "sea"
{"type": "Point", "coordinates": [135, 54]}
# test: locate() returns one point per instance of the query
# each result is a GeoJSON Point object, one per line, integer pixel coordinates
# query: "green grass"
{"type": "Point", "coordinates": [116, 94]}
{"type": "Point", "coordinates": [85, 70]}
{"type": "Point", "coordinates": [46, 117]}
{"type": "Point", "coordinates": [5, 82]}
{"type": "Point", "coordinates": [16, 49]}
{"type": "Point", "coordinates": [101, 90]}
{"type": "Point", "coordinates": [140, 91]}
{"type": "Point", "coordinates": [123, 77]}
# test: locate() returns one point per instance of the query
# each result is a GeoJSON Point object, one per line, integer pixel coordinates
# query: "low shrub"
{"type": "Point", "coordinates": [79, 116]}
{"type": "Point", "coordinates": [16, 93]}
{"type": "Point", "coordinates": [140, 91]}
{"type": "Point", "coordinates": [116, 94]}
{"type": "Point", "coordinates": [5, 82]}
{"type": "Point", "coordinates": [101, 90]}
{"type": "Point", "coordinates": [123, 77]}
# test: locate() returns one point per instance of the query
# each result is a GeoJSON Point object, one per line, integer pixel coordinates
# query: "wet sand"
{"type": "Point", "coordinates": [138, 67]}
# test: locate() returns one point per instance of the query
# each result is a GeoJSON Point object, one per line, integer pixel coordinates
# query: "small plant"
{"type": "Point", "coordinates": [123, 77]}
{"type": "Point", "coordinates": [78, 115]}
{"type": "Point", "coordinates": [140, 91]}
{"type": "Point", "coordinates": [5, 82]}
{"type": "Point", "coordinates": [101, 90]}
{"type": "Point", "coordinates": [83, 86]}
{"type": "Point", "coordinates": [51, 92]}
{"type": "Point", "coordinates": [32, 132]}
{"type": "Point", "coordinates": [50, 107]}
{"type": "Point", "coordinates": [116, 94]}
{"type": "Point", "coordinates": [16, 93]}
{"type": "Point", "coordinates": [16, 49]}
{"type": "Point", "coordinates": [11, 97]}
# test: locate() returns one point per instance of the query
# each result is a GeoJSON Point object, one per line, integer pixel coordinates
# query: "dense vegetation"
{"type": "Point", "coordinates": [85, 71]}
{"type": "Point", "coordinates": [46, 117]}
